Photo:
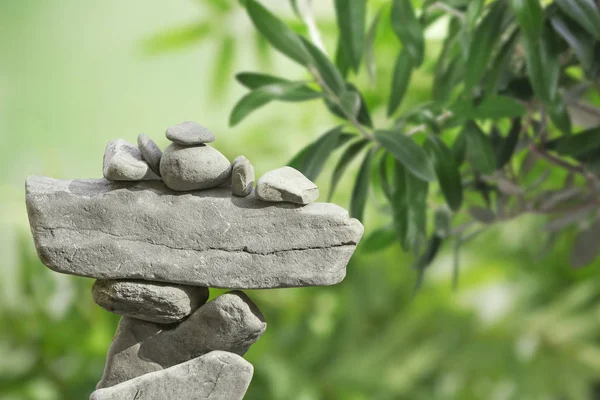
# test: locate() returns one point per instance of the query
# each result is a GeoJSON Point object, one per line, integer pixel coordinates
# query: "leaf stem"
{"type": "Point", "coordinates": [578, 169]}
{"type": "Point", "coordinates": [423, 127]}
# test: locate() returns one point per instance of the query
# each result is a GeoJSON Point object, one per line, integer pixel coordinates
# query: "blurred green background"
{"type": "Point", "coordinates": [74, 75]}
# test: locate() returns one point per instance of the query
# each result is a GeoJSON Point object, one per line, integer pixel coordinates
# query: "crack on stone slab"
{"type": "Point", "coordinates": [242, 250]}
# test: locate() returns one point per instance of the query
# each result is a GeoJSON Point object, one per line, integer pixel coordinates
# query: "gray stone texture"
{"type": "Point", "coordinates": [123, 162]}
{"type": "Point", "coordinates": [186, 168]}
{"type": "Point", "coordinates": [218, 375]}
{"type": "Point", "coordinates": [286, 184]}
{"type": "Point", "coordinates": [189, 133]}
{"type": "Point", "coordinates": [142, 230]}
{"type": "Point", "coordinates": [149, 301]}
{"type": "Point", "coordinates": [242, 177]}
{"type": "Point", "coordinates": [230, 322]}
{"type": "Point", "coordinates": [151, 153]}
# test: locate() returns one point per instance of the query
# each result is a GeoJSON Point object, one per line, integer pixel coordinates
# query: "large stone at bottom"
{"type": "Point", "coordinates": [143, 230]}
{"type": "Point", "coordinates": [230, 322]}
{"type": "Point", "coordinates": [218, 375]}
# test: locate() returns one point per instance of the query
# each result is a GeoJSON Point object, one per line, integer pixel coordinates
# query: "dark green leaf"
{"type": "Point", "coordinates": [176, 38]}
{"type": "Point", "coordinates": [361, 188]}
{"type": "Point", "coordinates": [481, 48]}
{"type": "Point", "coordinates": [530, 16]}
{"type": "Point", "coordinates": [500, 63]}
{"type": "Point", "coordinates": [497, 107]}
{"type": "Point", "coordinates": [584, 12]}
{"type": "Point", "coordinates": [560, 116]}
{"type": "Point", "coordinates": [349, 154]}
{"type": "Point", "coordinates": [400, 80]}
{"type": "Point", "coordinates": [416, 193]}
{"type": "Point", "coordinates": [433, 247]}
{"type": "Point", "coordinates": [306, 157]}
{"type": "Point", "coordinates": [398, 199]}
{"type": "Point", "coordinates": [509, 144]}
{"type": "Point", "coordinates": [446, 171]}
{"type": "Point", "coordinates": [254, 80]}
{"type": "Point", "coordinates": [408, 28]}
{"type": "Point", "coordinates": [277, 33]}
{"type": "Point", "coordinates": [479, 149]}
{"type": "Point", "coordinates": [407, 152]}
{"type": "Point", "coordinates": [341, 59]}
{"type": "Point", "coordinates": [264, 94]}
{"type": "Point", "coordinates": [442, 222]}
{"type": "Point", "coordinates": [384, 175]}
{"type": "Point", "coordinates": [325, 68]}
{"type": "Point", "coordinates": [378, 240]}
{"type": "Point", "coordinates": [364, 118]}
{"type": "Point", "coordinates": [320, 152]}
{"type": "Point", "coordinates": [579, 143]}
{"type": "Point", "coordinates": [581, 43]}
{"type": "Point", "coordinates": [351, 19]}
{"type": "Point", "coordinates": [370, 46]}
{"type": "Point", "coordinates": [459, 148]}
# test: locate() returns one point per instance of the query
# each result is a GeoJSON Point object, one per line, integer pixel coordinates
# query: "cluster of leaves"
{"type": "Point", "coordinates": [514, 87]}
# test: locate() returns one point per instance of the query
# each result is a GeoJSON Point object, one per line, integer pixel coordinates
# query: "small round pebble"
{"type": "Point", "coordinates": [189, 133]}
{"type": "Point", "coordinates": [185, 168]}
{"type": "Point", "coordinates": [151, 153]}
{"type": "Point", "coordinates": [242, 177]}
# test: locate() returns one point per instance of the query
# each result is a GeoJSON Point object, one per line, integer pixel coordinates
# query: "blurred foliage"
{"type": "Point", "coordinates": [520, 325]}
{"type": "Point", "coordinates": [515, 83]}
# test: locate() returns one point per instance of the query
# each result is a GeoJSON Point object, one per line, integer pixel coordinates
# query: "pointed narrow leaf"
{"type": "Point", "coordinates": [497, 107]}
{"type": "Point", "coordinates": [277, 33]}
{"type": "Point", "coordinates": [351, 20]}
{"type": "Point", "coordinates": [584, 12]}
{"type": "Point", "coordinates": [581, 43]}
{"type": "Point", "coordinates": [530, 16]}
{"type": "Point", "coordinates": [509, 144]}
{"type": "Point", "coordinates": [479, 149]}
{"type": "Point", "coordinates": [254, 80]}
{"type": "Point", "coordinates": [500, 63]}
{"type": "Point", "coordinates": [364, 118]}
{"type": "Point", "coordinates": [408, 28]}
{"type": "Point", "coordinates": [350, 102]}
{"type": "Point", "coordinates": [176, 38]}
{"type": "Point", "coordinates": [341, 59]}
{"type": "Point", "coordinates": [349, 154]}
{"type": "Point", "coordinates": [416, 193]}
{"type": "Point", "coordinates": [482, 46]}
{"type": "Point", "coordinates": [361, 188]}
{"type": "Point", "coordinates": [399, 202]}
{"type": "Point", "coordinates": [370, 46]}
{"type": "Point", "coordinates": [320, 152]}
{"type": "Point", "coordinates": [446, 171]}
{"type": "Point", "coordinates": [327, 71]}
{"type": "Point", "coordinates": [433, 247]}
{"type": "Point", "coordinates": [407, 152]}
{"type": "Point", "coordinates": [579, 143]}
{"type": "Point", "coordinates": [384, 177]}
{"type": "Point", "coordinates": [400, 79]}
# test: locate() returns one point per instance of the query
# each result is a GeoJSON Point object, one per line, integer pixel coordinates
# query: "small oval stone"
{"type": "Point", "coordinates": [189, 133]}
{"type": "Point", "coordinates": [157, 302]}
{"type": "Point", "coordinates": [123, 162]}
{"type": "Point", "coordinates": [151, 153]}
{"type": "Point", "coordinates": [242, 177]}
{"type": "Point", "coordinates": [286, 184]}
{"type": "Point", "coordinates": [186, 168]}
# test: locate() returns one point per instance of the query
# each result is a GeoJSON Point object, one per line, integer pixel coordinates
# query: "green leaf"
{"type": "Point", "coordinates": [361, 188]}
{"type": "Point", "coordinates": [509, 145]}
{"type": "Point", "coordinates": [530, 16]}
{"type": "Point", "coordinates": [433, 247]}
{"type": "Point", "coordinates": [416, 193]}
{"type": "Point", "coordinates": [579, 143]}
{"type": "Point", "coordinates": [327, 71]}
{"type": "Point", "coordinates": [222, 68]}
{"type": "Point", "coordinates": [500, 64]}
{"type": "Point", "coordinates": [479, 149]}
{"type": "Point", "coordinates": [408, 28]}
{"type": "Point", "coordinates": [341, 59]}
{"type": "Point", "coordinates": [446, 171]}
{"type": "Point", "coordinates": [263, 95]}
{"type": "Point", "coordinates": [320, 152]}
{"type": "Point", "coordinates": [384, 177]}
{"type": "Point", "coordinates": [581, 43]}
{"type": "Point", "coordinates": [407, 152]}
{"type": "Point", "coordinates": [303, 160]}
{"type": "Point", "coordinates": [370, 46]}
{"type": "Point", "coordinates": [400, 80]}
{"type": "Point", "coordinates": [277, 33]}
{"type": "Point", "coordinates": [253, 80]}
{"type": "Point", "coordinates": [442, 220]}
{"type": "Point", "coordinates": [498, 107]}
{"type": "Point", "coordinates": [378, 240]}
{"type": "Point", "coordinates": [350, 102]}
{"type": "Point", "coordinates": [399, 201]}
{"type": "Point", "coordinates": [481, 48]}
{"type": "Point", "coordinates": [364, 118]}
{"type": "Point", "coordinates": [560, 116]}
{"type": "Point", "coordinates": [584, 12]}
{"type": "Point", "coordinates": [351, 19]}
{"type": "Point", "coordinates": [347, 156]}
{"type": "Point", "coordinates": [459, 148]}
{"type": "Point", "coordinates": [177, 38]}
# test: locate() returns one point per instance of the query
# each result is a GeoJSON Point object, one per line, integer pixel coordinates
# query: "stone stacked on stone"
{"type": "Point", "coordinates": [162, 228]}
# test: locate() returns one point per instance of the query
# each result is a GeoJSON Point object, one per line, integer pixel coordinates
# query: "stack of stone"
{"type": "Point", "coordinates": [161, 229]}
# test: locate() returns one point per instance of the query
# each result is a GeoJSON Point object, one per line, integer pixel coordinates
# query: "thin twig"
{"type": "Point", "coordinates": [449, 10]}
{"type": "Point", "coordinates": [422, 128]}
{"type": "Point", "coordinates": [578, 169]}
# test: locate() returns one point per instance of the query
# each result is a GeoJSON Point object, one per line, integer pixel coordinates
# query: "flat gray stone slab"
{"type": "Point", "coordinates": [158, 302]}
{"type": "Point", "coordinates": [218, 375]}
{"type": "Point", "coordinates": [230, 322]}
{"type": "Point", "coordinates": [189, 133]}
{"type": "Point", "coordinates": [123, 162]}
{"type": "Point", "coordinates": [286, 184]}
{"type": "Point", "coordinates": [142, 230]}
